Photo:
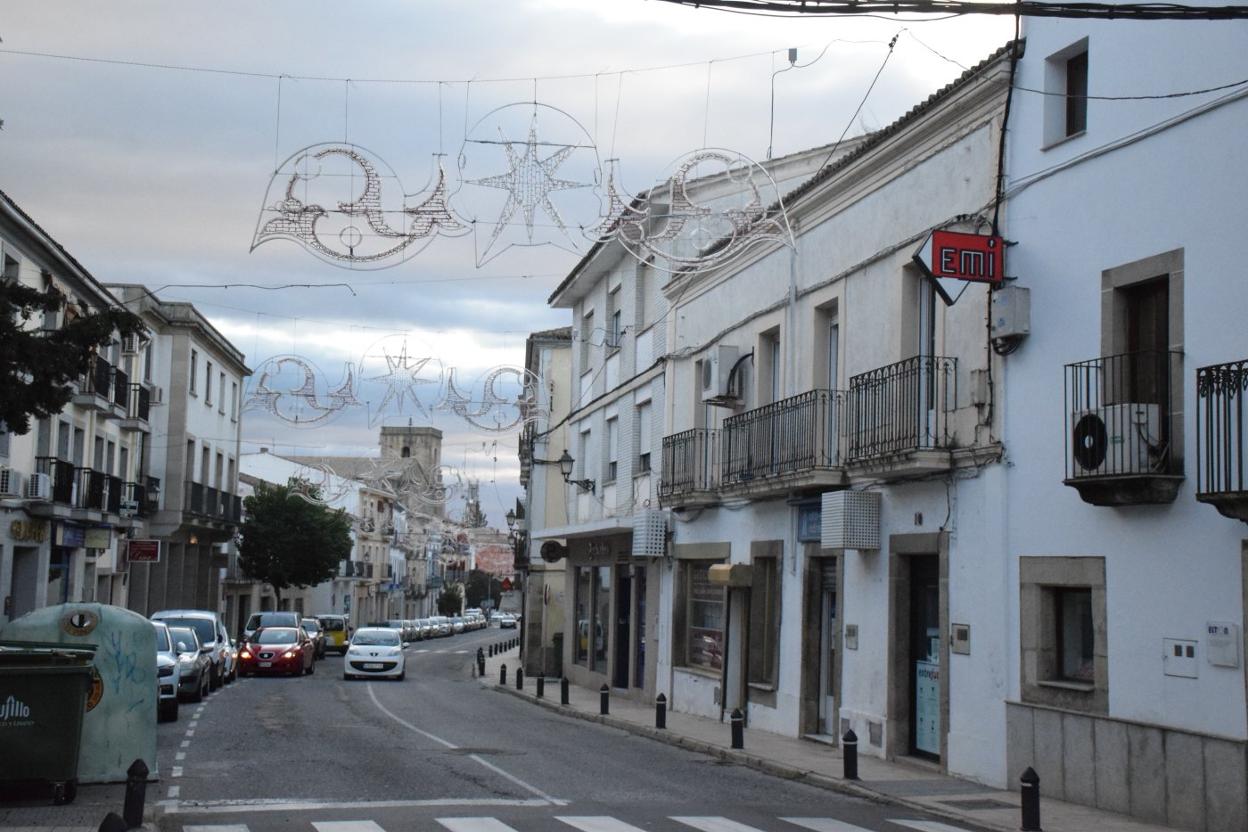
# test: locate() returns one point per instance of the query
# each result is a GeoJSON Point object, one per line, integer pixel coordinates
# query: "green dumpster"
{"type": "Point", "coordinates": [43, 696]}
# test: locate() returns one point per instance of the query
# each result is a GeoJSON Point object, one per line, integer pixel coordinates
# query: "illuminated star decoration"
{"type": "Point", "coordinates": [529, 183]}
{"type": "Point", "coordinates": [402, 380]}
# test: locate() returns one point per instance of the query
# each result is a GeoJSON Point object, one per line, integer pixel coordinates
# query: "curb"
{"type": "Point", "coordinates": [750, 760]}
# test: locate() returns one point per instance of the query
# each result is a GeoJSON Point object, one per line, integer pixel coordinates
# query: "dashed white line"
{"type": "Point", "coordinates": [176, 771]}
{"type": "Point", "coordinates": [180, 756]}
{"type": "Point", "coordinates": [190, 732]}
{"type": "Point", "coordinates": [186, 743]}
{"type": "Point", "coordinates": [174, 791]}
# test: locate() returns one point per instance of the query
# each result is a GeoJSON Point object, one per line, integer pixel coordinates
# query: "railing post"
{"type": "Point", "coordinates": [660, 711]}
{"type": "Point", "coordinates": [1029, 792]}
{"type": "Point", "coordinates": [520, 678]}
{"type": "Point", "coordinates": [541, 686]}
{"type": "Point", "coordinates": [849, 754]}
{"type": "Point", "coordinates": [480, 662]}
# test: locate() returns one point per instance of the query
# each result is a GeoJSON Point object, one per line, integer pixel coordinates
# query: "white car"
{"type": "Point", "coordinates": [375, 651]}
{"type": "Point", "coordinates": [506, 621]}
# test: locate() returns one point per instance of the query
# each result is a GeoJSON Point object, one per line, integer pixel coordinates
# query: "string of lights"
{"type": "Point", "coordinates": [1026, 8]}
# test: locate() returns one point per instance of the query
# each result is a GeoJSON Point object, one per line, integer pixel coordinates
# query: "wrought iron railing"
{"type": "Point", "coordinates": [136, 493]}
{"type": "Point", "coordinates": [112, 493]}
{"type": "Point", "coordinates": [1119, 413]}
{"type": "Point", "coordinates": [791, 436]}
{"type": "Point", "coordinates": [901, 407]}
{"type": "Point", "coordinates": [60, 474]}
{"type": "Point", "coordinates": [90, 490]}
{"type": "Point", "coordinates": [98, 378]}
{"type": "Point", "coordinates": [212, 502]}
{"type": "Point", "coordinates": [121, 388]}
{"type": "Point", "coordinates": [140, 404]}
{"type": "Point", "coordinates": [1221, 425]}
{"type": "Point", "coordinates": [194, 498]}
{"type": "Point", "coordinates": [690, 462]}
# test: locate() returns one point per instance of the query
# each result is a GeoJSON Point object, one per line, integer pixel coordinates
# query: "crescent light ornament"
{"type": "Point", "coordinates": [301, 405]}
{"type": "Point", "coordinates": [493, 412]}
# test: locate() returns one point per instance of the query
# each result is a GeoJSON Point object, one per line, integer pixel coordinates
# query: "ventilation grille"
{"type": "Point", "coordinates": [650, 533]}
{"type": "Point", "coordinates": [851, 520]}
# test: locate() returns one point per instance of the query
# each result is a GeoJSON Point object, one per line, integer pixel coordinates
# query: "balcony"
{"type": "Point", "coordinates": [1123, 429]}
{"type": "Point", "coordinates": [212, 502]}
{"type": "Point", "coordinates": [690, 473]}
{"type": "Point", "coordinates": [1221, 424]}
{"type": "Point", "coordinates": [113, 487]}
{"type": "Point", "coordinates": [898, 417]}
{"type": "Point", "coordinates": [138, 408]}
{"type": "Point", "coordinates": [53, 481]}
{"type": "Point", "coordinates": [121, 389]}
{"type": "Point", "coordinates": [789, 444]}
{"type": "Point", "coordinates": [135, 497]}
{"type": "Point", "coordinates": [193, 502]}
{"type": "Point", "coordinates": [90, 489]}
{"type": "Point", "coordinates": [96, 389]}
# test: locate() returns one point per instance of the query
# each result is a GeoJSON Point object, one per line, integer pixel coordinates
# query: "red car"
{"type": "Point", "coordinates": [277, 650]}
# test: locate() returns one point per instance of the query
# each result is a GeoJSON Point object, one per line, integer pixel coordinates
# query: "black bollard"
{"type": "Point", "coordinates": [136, 794]}
{"type": "Point", "coordinates": [480, 662]}
{"type": "Point", "coordinates": [519, 678]}
{"type": "Point", "coordinates": [491, 651]}
{"type": "Point", "coordinates": [1029, 791]}
{"type": "Point", "coordinates": [738, 728]}
{"type": "Point", "coordinates": [541, 686]}
{"type": "Point", "coordinates": [849, 753]}
{"type": "Point", "coordinates": [563, 691]}
{"type": "Point", "coordinates": [113, 823]}
{"type": "Point", "coordinates": [502, 675]}
{"type": "Point", "coordinates": [604, 699]}
{"type": "Point", "coordinates": [660, 711]}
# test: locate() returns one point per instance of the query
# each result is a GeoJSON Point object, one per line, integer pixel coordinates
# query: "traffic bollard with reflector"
{"type": "Point", "coordinates": [849, 754]}
{"type": "Point", "coordinates": [660, 711]}
{"type": "Point", "coordinates": [738, 728]}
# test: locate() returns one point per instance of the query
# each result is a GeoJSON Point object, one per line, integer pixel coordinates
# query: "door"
{"type": "Point", "coordinates": [834, 358]}
{"type": "Point", "coordinates": [639, 627]}
{"type": "Point", "coordinates": [925, 675]}
{"type": "Point", "coordinates": [926, 377]}
{"type": "Point", "coordinates": [25, 576]}
{"type": "Point", "coordinates": [1147, 340]}
{"type": "Point", "coordinates": [623, 626]}
{"type": "Point", "coordinates": [827, 649]}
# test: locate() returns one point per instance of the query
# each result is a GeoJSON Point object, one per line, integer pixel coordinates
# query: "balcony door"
{"type": "Point", "coordinates": [1147, 340]}
{"type": "Point", "coordinates": [832, 445]}
{"type": "Point", "coordinates": [924, 382]}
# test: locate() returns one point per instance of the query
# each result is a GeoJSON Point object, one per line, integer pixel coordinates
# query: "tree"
{"type": "Point", "coordinates": [37, 365]}
{"type": "Point", "coordinates": [450, 602]}
{"type": "Point", "coordinates": [481, 585]}
{"type": "Point", "coordinates": [288, 541]}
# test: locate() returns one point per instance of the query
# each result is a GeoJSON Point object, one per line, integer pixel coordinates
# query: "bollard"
{"type": "Point", "coordinates": [604, 697]}
{"type": "Point", "coordinates": [502, 675]}
{"type": "Point", "coordinates": [491, 651]}
{"type": "Point", "coordinates": [849, 753]}
{"type": "Point", "coordinates": [480, 662]}
{"type": "Point", "coordinates": [113, 823]}
{"type": "Point", "coordinates": [136, 794]}
{"type": "Point", "coordinates": [660, 711]}
{"type": "Point", "coordinates": [563, 691]}
{"type": "Point", "coordinates": [541, 686]}
{"type": "Point", "coordinates": [520, 678]}
{"type": "Point", "coordinates": [738, 728]}
{"type": "Point", "coordinates": [1029, 791]}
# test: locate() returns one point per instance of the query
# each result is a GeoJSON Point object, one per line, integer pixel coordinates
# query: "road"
{"type": "Point", "coordinates": [440, 751]}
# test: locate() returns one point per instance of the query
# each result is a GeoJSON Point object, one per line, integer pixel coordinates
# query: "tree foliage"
{"type": "Point", "coordinates": [450, 601]}
{"type": "Point", "coordinates": [37, 365]}
{"type": "Point", "coordinates": [479, 586]}
{"type": "Point", "coordinates": [287, 540]}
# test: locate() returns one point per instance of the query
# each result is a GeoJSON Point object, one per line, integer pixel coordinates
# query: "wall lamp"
{"type": "Point", "coordinates": [566, 463]}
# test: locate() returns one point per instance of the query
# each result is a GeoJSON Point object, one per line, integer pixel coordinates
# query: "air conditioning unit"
{"type": "Point", "coordinates": [850, 520]}
{"type": "Point", "coordinates": [1117, 439]}
{"type": "Point", "coordinates": [10, 483]}
{"type": "Point", "coordinates": [717, 366]}
{"type": "Point", "coordinates": [157, 395]}
{"type": "Point", "coordinates": [130, 345]}
{"type": "Point", "coordinates": [650, 533]}
{"type": "Point", "coordinates": [39, 487]}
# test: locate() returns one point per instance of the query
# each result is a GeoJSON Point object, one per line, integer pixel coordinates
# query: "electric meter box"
{"type": "Point", "coordinates": [1011, 312]}
{"type": "Point", "coordinates": [1222, 643]}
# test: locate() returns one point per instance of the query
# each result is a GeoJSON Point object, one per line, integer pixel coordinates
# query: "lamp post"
{"type": "Point", "coordinates": [565, 467]}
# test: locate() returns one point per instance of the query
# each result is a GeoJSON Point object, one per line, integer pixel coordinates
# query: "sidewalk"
{"type": "Point", "coordinates": [901, 784]}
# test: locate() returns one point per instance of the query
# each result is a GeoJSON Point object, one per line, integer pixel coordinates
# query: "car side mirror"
{"type": "Point", "coordinates": [205, 649]}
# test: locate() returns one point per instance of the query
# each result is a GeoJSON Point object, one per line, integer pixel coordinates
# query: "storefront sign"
{"type": "Point", "coordinates": [28, 531]}
{"type": "Point", "coordinates": [143, 551]}
{"type": "Point", "coordinates": [98, 538]}
{"type": "Point", "coordinates": [809, 523]}
{"type": "Point", "coordinates": [71, 537]}
{"type": "Point", "coordinates": [952, 259]}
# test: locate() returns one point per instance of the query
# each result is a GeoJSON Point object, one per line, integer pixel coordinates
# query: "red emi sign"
{"type": "Point", "coordinates": [953, 255]}
{"type": "Point", "coordinates": [143, 551]}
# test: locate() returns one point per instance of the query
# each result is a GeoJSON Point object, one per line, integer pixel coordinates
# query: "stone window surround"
{"type": "Point", "coordinates": [1038, 626]}
{"type": "Point", "coordinates": [717, 552]}
{"type": "Point", "coordinates": [774, 551]}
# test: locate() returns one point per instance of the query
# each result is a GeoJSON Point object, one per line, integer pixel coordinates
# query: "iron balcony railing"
{"type": "Point", "coordinates": [98, 378]}
{"type": "Point", "coordinates": [137, 493]}
{"type": "Point", "coordinates": [140, 403]}
{"type": "Point", "coordinates": [112, 493]}
{"type": "Point", "coordinates": [194, 498]}
{"type": "Point", "coordinates": [1119, 414]}
{"type": "Point", "coordinates": [91, 488]}
{"type": "Point", "coordinates": [121, 388]}
{"type": "Point", "coordinates": [690, 462]}
{"type": "Point", "coordinates": [787, 437]}
{"type": "Point", "coordinates": [212, 502]}
{"type": "Point", "coordinates": [60, 475]}
{"type": "Point", "coordinates": [902, 407]}
{"type": "Point", "coordinates": [1221, 422]}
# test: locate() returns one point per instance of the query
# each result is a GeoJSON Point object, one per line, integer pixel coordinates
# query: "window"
{"type": "Point", "coordinates": [615, 320]}
{"type": "Point", "coordinates": [643, 437]}
{"type": "Point", "coordinates": [234, 401]}
{"type": "Point", "coordinates": [208, 384]}
{"type": "Point", "coordinates": [704, 617]}
{"type": "Point", "coordinates": [613, 449]}
{"type": "Point", "coordinates": [764, 622]}
{"type": "Point", "coordinates": [4, 439]}
{"type": "Point", "coordinates": [587, 335]}
{"type": "Point", "coordinates": [580, 650]}
{"type": "Point", "coordinates": [1062, 627]}
{"type": "Point", "coordinates": [1077, 94]}
{"type": "Point", "coordinates": [147, 361]}
{"type": "Point", "coordinates": [1074, 635]}
{"type": "Point", "coordinates": [1066, 88]}
{"type": "Point", "coordinates": [582, 456]}
{"type": "Point", "coordinates": [221, 393]}
{"type": "Point", "coordinates": [194, 370]}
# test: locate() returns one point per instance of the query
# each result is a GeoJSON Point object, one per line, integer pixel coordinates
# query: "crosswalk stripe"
{"type": "Point", "coordinates": [599, 824]}
{"type": "Point", "coordinates": [347, 826]}
{"type": "Point", "coordinates": [475, 825]}
{"type": "Point", "coordinates": [222, 827]}
{"type": "Point", "coordinates": [715, 824]}
{"type": "Point", "coordinates": [824, 824]}
{"type": "Point", "coordinates": [926, 825]}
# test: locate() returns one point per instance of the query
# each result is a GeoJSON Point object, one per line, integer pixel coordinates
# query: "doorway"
{"type": "Point", "coordinates": [623, 628]}
{"type": "Point", "coordinates": [924, 657]}
{"type": "Point", "coordinates": [25, 576]}
{"type": "Point", "coordinates": [829, 630]}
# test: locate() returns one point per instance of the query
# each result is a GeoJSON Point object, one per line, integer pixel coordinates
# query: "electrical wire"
{"type": "Point", "coordinates": [892, 44]}
{"type": "Point", "coordinates": [1026, 8]}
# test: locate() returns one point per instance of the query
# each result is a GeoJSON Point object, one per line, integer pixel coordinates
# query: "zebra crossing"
{"type": "Point", "coordinates": [594, 823]}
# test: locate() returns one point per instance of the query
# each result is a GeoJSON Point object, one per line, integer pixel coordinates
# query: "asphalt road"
{"type": "Point", "coordinates": [439, 751]}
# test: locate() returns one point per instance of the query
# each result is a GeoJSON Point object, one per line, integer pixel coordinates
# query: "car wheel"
{"type": "Point", "coordinates": [168, 712]}
{"type": "Point", "coordinates": [214, 678]}
{"type": "Point", "coordinates": [310, 669]}
{"type": "Point", "coordinates": [200, 689]}
{"type": "Point", "coordinates": [346, 677]}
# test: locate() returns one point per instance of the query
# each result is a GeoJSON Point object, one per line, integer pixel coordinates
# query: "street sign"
{"type": "Point", "coordinates": [952, 259]}
{"type": "Point", "coordinates": [143, 551]}
{"type": "Point", "coordinates": [506, 584]}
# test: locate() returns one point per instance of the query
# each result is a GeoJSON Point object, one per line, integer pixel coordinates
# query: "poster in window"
{"type": "Point", "coordinates": [706, 626]}
{"type": "Point", "coordinates": [927, 707]}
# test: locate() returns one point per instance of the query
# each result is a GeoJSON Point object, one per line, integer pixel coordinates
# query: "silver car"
{"type": "Point", "coordinates": [194, 664]}
{"type": "Point", "coordinates": [166, 675]}
{"type": "Point", "coordinates": [210, 629]}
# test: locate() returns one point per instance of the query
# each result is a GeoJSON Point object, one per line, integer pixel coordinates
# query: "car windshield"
{"type": "Point", "coordinates": [376, 638]}
{"type": "Point", "coordinates": [203, 627]}
{"type": "Point", "coordinates": [271, 619]}
{"type": "Point", "coordinates": [184, 639]}
{"type": "Point", "coordinates": [162, 640]}
{"type": "Point", "coordinates": [333, 625]}
{"type": "Point", "coordinates": [275, 635]}
{"type": "Point", "coordinates": [310, 627]}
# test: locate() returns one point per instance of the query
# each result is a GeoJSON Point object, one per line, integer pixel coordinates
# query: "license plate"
{"type": "Point", "coordinates": [372, 665]}
{"type": "Point", "coordinates": [266, 664]}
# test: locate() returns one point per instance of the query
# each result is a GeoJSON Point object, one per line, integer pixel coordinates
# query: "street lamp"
{"type": "Point", "coordinates": [565, 467]}
{"type": "Point", "coordinates": [511, 518]}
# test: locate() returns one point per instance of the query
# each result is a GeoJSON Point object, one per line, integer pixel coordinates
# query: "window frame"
{"type": "Point", "coordinates": [1041, 579]}
{"type": "Point", "coordinates": [207, 384]}
{"type": "Point", "coordinates": [194, 373]}
{"type": "Point", "coordinates": [763, 625]}
{"type": "Point", "coordinates": [687, 601]}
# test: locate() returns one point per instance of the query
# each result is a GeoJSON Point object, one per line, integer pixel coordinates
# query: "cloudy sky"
{"type": "Point", "coordinates": [158, 175]}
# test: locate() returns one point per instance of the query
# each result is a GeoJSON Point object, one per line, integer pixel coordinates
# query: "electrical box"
{"type": "Point", "coordinates": [1178, 658]}
{"type": "Point", "coordinates": [960, 638]}
{"type": "Point", "coordinates": [1011, 312]}
{"type": "Point", "coordinates": [851, 636]}
{"type": "Point", "coordinates": [1222, 640]}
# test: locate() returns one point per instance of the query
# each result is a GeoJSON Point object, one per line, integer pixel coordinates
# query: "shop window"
{"type": "Point", "coordinates": [584, 592]}
{"type": "Point", "coordinates": [764, 622]}
{"type": "Point", "coordinates": [704, 618]}
{"type": "Point", "coordinates": [602, 615]}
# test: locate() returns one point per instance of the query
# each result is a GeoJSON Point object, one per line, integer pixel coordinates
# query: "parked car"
{"type": "Point", "coordinates": [375, 651]}
{"type": "Point", "coordinates": [457, 625]}
{"type": "Point", "coordinates": [413, 629]}
{"type": "Point", "coordinates": [270, 618]}
{"type": "Point", "coordinates": [210, 629]}
{"type": "Point", "coordinates": [400, 625]}
{"type": "Point", "coordinates": [194, 664]}
{"type": "Point", "coordinates": [442, 625]}
{"type": "Point", "coordinates": [313, 628]}
{"type": "Point", "coordinates": [427, 629]}
{"type": "Point", "coordinates": [166, 675]}
{"type": "Point", "coordinates": [278, 650]}
{"type": "Point", "coordinates": [506, 621]}
{"type": "Point", "coordinates": [336, 630]}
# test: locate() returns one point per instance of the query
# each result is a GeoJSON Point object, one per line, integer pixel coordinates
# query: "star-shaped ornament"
{"type": "Point", "coordinates": [401, 381]}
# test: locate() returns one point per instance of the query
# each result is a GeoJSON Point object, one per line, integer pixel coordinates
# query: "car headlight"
{"type": "Point", "coordinates": [244, 655]}
{"type": "Point", "coordinates": [288, 655]}
{"type": "Point", "coordinates": [165, 670]}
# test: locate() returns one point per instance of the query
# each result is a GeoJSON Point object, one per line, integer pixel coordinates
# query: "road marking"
{"type": "Point", "coordinates": [715, 824]}
{"type": "Point", "coordinates": [180, 756]}
{"type": "Point", "coordinates": [347, 826]}
{"type": "Point", "coordinates": [190, 732]}
{"type": "Point", "coordinates": [224, 807]}
{"type": "Point", "coordinates": [193, 724]}
{"type": "Point", "coordinates": [599, 824]}
{"type": "Point", "coordinates": [461, 652]}
{"type": "Point", "coordinates": [475, 825]}
{"type": "Point", "coordinates": [926, 825]}
{"type": "Point", "coordinates": [186, 743]}
{"type": "Point", "coordinates": [474, 757]}
{"type": "Point", "coordinates": [824, 824]}
{"type": "Point", "coordinates": [174, 791]}
{"type": "Point", "coordinates": [424, 650]}
{"type": "Point", "coordinates": [176, 771]}
{"type": "Point", "coordinates": [221, 827]}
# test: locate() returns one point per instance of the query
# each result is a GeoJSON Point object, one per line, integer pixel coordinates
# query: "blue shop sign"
{"type": "Point", "coordinates": [73, 537]}
{"type": "Point", "coordinates": [809, 523]}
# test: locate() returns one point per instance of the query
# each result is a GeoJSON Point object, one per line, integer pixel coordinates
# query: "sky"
{"type": "Point", "coordinates": [157, 175]}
